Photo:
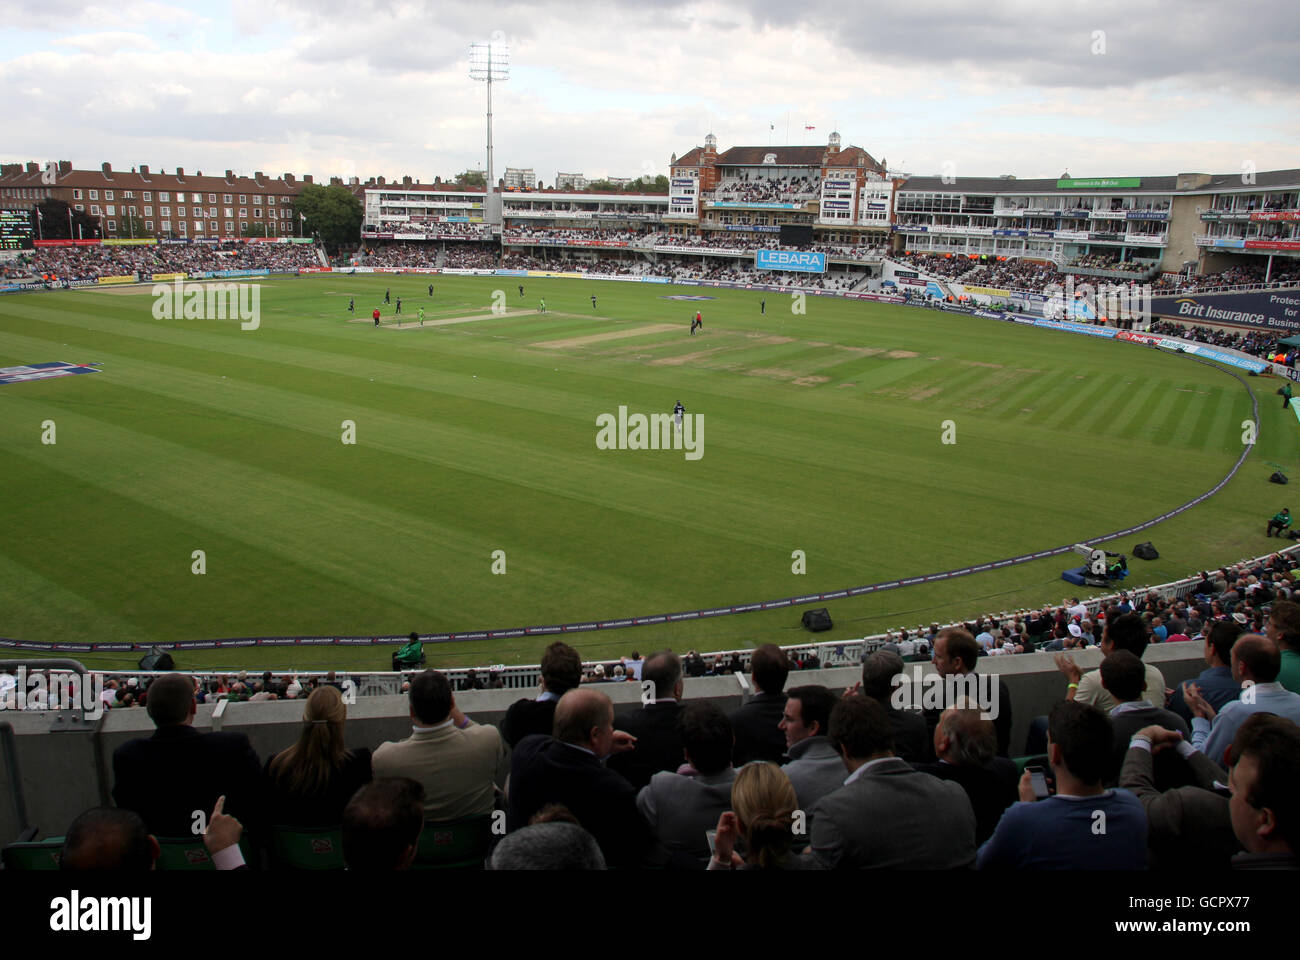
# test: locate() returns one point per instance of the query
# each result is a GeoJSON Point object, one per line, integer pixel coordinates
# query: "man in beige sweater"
{"type": "Point", "coordinates": [459, 763]}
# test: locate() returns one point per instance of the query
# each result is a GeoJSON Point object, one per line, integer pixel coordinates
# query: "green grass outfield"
{"type": "Point", "coordinates": [823, 434]}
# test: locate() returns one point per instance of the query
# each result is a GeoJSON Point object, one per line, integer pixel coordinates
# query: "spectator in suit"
{"type": "Point", "coordinates": [382, 825]}
{"type": "Point", "coordinates": [561, 672]}
{"type": "Point", "coordinates": [763, 817]}
{"type": "Point", "coordinates": [174, 778]}
{"type": "Point", "coordinates": [1123, 676]}
{"type": "Point", "coordinates": [1255, 665]}
{"type": "Point", "coordinates": [567, 769]}
{"type": "Point", "coordinates": [552, 845]}
{"type": "Point", "coordinates": [1214, 683]}
{"type": "Point", "coordinates": [655, 724]}
{"type": "Point", "coordinates": [1059, 832]}
{"type": "Point", "coordinates": [887, 815]}
{"type": "Point", "coordinates": [966, 746]}
{"type": "Point", "coordinates": [955, 655]}
{"type": "Point", "coordinates": [1188, 827]}
{"type": "Point", "coordinates": [681, 809]}
{"type": "Point", "coordinates": [757, 724]}
{"type": "Point", "coordinates": [1265, 804]}
{"type": "Point", "coordinates": [310, 783]}
{"type": "Point", "coordinates": [459, 763]}
{"type": "Point", "coordinates": [815, 768]}
{"type": "Point", "coordinates": [912, 742]}
{"type": "Point", "coordinates": [1283, 628]}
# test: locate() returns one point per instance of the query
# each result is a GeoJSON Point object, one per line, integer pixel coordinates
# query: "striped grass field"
{"type": "Point", "coordinates": [823, 434]}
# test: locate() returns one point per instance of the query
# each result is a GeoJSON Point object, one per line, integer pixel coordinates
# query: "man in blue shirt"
{"type": "Point", "coordinates": [1215, 683]}
{"type": "Point", "coordinates": [1255, 664]}
{"type": "Point", "coordinates": [1083, 826]}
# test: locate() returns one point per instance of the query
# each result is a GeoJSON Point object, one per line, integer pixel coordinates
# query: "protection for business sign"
{"type": "Point", "coordinates": [1279, 310]}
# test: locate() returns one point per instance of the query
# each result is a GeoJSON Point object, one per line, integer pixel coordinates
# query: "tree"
{"type": "Point", "coordinates": [333, 213]}
{"type": "Point", "coordinates": [472, 178]}
{"type": "Point", "coordinates": [254, 228]}
{"type": "Point", "coordinates": [601, 185]}
{"type": "Point", "coordinates": [54, 221]}
{"type": "Point", "coordinates": [130, 225]}
{"type": "Point", "coordinates": [644, 184]}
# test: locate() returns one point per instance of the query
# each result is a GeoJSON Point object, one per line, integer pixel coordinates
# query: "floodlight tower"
{"type": "Point", "coordinates": [489, 62]}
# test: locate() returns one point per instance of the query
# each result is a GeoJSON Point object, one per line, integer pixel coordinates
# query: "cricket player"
{"type": "Point", "coordinates": [386, 297]}
{"type": "Point", "coordinates": [542, 307]}
{"type": "Point", "coordinates": [678, 412]}
{"type": "Point", "coordinates": [431, 290]}
{"type": "Point", "coordinates": [398, 312]}
{"type": "Point", "coordinates": [593, 301]}
{"type": "Point", "coordinates": [352, 305]}
{"type": "Point", "coordinates": [376, 315]}
{"type": "Point", "coordinates": [422, 316]}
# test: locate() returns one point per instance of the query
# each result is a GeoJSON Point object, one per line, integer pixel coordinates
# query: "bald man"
{"type": "Point", "coordinates": [568, 768]}
{"type": "Point", "coordinates": [966, 746]}
{"type": "Point", "coordinates": [1256, 662]}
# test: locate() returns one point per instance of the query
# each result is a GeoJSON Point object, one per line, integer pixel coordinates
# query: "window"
{"type": "Point", "coordinates": [111, 210]}
{"type": "Point", "coordinates": [94, 194]}
{"type": "Point", "coordinates": [213, 226]}
{"type": "Point", "coordinates": [225, 198]}
{"type": "Point", "coordinates": [270, 201]}
{"type": "Point", "coordinates": [180, 198]}
{"type": "Point", "coordinates": [76, 195]}
{"type": "Point", "coordinates": [243, 225]}
{"type": "Point", "coordinates": [257, 199]}
{"type": "Point", "coordinates": [167, 226]}
{"type": "Point", "coordinates": [243, 198]}
{"type": "Point", "coordinates": [243, 212]}
{"type": "Point", "coordinates": [148, 211]}
{"type": "Point", "coordinates": [212, 198]}
{"type": "Point", "coordinates": [257, 213]}
{"type": "Point", "coordinates": [148, 225]}
{"type": "Point", "coordinates": [166, 211]}
{"type": "Point", "coordinates": [148, 195]}
{"type": "Point", "coordinates": [112, 226]}
{"type": "Point", "coordinates": [94, 209]}
{"type": "Point", "coordinates": [230, 212]}
{"type": "Point", "coordinates": [164, 197]}
{"type": "Point", "coordinates": [108, 194]}
{"type": "Point", "coordinates": [134, 210]}
{"type": "Point", "coordinates": [81, 208]}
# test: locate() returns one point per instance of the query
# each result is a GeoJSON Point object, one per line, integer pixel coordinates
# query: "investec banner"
{"type": "Point", "coordinates": [1275, 311]}
{"type": "Point", "coordinates": [790, 260]}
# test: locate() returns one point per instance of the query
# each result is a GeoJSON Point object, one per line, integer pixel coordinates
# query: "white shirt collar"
{"type": "Point", "coordinates": [415, 727]}
{"type": "Point", "coordinates": [863, 769]}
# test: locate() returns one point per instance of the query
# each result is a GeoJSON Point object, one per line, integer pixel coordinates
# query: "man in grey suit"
{"type": "Point", "coordinates": [1188, 827]}
{"type": "Point", "coordinates": [887, 815]}
{"type": "Point", "coordinates": [815, 768]}
{"type": "Point", "coordinates": [682, 809]}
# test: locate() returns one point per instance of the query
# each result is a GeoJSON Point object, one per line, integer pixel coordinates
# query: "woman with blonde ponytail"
{"type": "Point", "coordinates": [310, 783]}
{"type": "Point", "coordinates": [762, 815]}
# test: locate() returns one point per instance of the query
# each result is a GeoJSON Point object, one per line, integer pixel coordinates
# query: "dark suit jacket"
{"type": "Point", "coordinates": [178, 771]}
{"type": "Point", "coordinates": [894, 817]}
{"type": "Point", "coordinates": [1001, 723]}
{"type": "Point", "coordinates": [990, 790]}
{"type": "Point", "coordinates": [913, 739]}
{"type": "Point", "coordinates": [543, 770]}
{"type": "Point", "coordinates": [658, 743]}
{"type": "Point", "coordinates": [757, 729]}
{"type": "Point", "coordinates": [527, 717]}
{"type": "Point", "coordinates": [1188, 828]}
{"type": "Point", "coordinates": [1170, 769]}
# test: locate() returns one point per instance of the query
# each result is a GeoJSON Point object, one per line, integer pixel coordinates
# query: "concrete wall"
{"type": "Point", "coordinates": [65, 765]}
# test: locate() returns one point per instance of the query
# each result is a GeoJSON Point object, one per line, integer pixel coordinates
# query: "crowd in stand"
{"type": "Point", "coordinates": [1257, 344]}
{"type": "Point", "coordinates": [469, 257]}
{"type": "Point", "coordinates": [397, 254]}
{"type": "Point", "coordinates": [80, 263]}
{"type": "Point", "coordinates": [767, 190]}
{"type": "Point", "coordinates": [1246, 276]}
{"type": "Point", "coordinates": [801, 776]}
{"type": "Point", "coordinates": [435, 228]}
{"type": "Point", "coordinates": [525, 234]}
{"type": "Point", "coordinates": [951, 268]}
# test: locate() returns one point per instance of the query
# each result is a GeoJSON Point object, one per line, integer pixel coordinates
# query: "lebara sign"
{"type": "Point", "coordinates": [1279, 310]}
{"type": "Point", "coordinates": [790, 260]}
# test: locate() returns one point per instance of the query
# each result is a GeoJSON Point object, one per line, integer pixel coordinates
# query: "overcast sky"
{"type": "Point", "coordinates": [613, 87]}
